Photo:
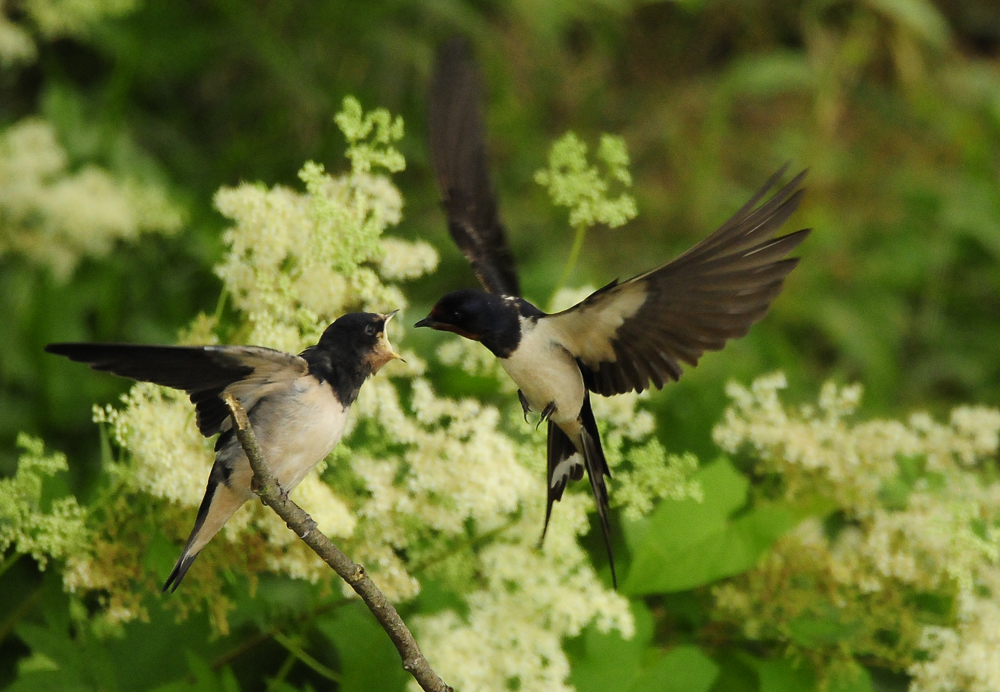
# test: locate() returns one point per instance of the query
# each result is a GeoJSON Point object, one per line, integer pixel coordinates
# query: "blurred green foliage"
{"type": "Point", "coordinates": [894, 105]}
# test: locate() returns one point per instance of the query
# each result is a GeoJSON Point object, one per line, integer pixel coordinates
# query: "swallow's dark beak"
{"type": "Point", "coordinates": [426, 322]}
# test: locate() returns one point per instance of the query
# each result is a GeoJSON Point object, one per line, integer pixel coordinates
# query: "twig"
{"type": "Point", "coordinates": [293, 648]}
{"type": "Point", "coordinates": [272, 495]}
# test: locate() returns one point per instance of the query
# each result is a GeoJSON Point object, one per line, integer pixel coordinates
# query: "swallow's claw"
{"type": "Point", "coordinates": [547, 412]}
{"type": "Point", "coordinates": [525, 407]}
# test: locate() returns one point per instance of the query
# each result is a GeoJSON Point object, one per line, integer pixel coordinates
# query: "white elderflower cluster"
{"type": "Point", "coordinates": [169, 457]}
{"type": "Point", "coordinates": [922, 517]}
{"type": "Point", "coordinates": [54, 534]}
{"type": "Point", "coordinates": [54, 217]}
{"type": "Point", "coordinates": [402, 260]}
{"type": "Point", "coordinates": [962, 658]}
{"type": "Point", "coordinates": [531, 600]}
{"type": "Point", "coordinates": [816, 445]}
{"type": "Point", "coordinates": [455, 466]}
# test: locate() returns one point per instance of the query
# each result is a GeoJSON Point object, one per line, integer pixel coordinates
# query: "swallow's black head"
{"type": "Point", "coordinates": [360, 337]}
{"type": "Point", "coordinates": [352, 348]}
{"type": "Point", "coordinates": [494, 320]}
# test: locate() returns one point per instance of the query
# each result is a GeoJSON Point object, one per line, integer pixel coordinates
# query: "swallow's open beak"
{"type": "Point", "coordinates": [384, 352]}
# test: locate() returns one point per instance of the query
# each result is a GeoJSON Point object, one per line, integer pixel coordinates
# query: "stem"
{"type": "Point", "coordinates": [294, 648]}
{"type": "Point", "coordinates": [9, 562]}
{"type": "Point", "coordinates": [221, 304]}
{"type": "Point", "coordinates": [286, 667]}
{"type": "Point", "coordinates": [574, 254]}
{"type": "Point", "coordinates": [271, 494]}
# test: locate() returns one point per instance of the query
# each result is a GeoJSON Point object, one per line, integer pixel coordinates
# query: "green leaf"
{"type": "Point", "coordinates": [683, 669]}
{"type": "Point", "coordinates": [853, 678]}
{"type": "Point", "coordinates": [785, 676]}
{"type": "Point", "coordinates": [61, 662]}
{"type": "Point", "coordinates": [685, 544]}
{"type": "Point", "coordinates": [368, 660]}
{"type": "Point", "coordinates": [737, 673]}
{"type": "Point", "coordinates": [610, 662]}
{"type": "Point", "coordinates": [46, 681]}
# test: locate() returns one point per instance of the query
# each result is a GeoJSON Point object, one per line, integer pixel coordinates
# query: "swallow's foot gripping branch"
{"type": "Point", "coordinates": [354, 574]}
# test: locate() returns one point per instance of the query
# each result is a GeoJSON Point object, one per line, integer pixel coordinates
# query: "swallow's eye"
{"type": "Point", "coordinates": [370, 330]}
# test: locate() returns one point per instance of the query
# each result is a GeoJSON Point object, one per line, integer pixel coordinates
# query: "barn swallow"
{"type": "Point", "coordinates": [621, 338]}
{"type": "Point", "coordinates": [298, 405]}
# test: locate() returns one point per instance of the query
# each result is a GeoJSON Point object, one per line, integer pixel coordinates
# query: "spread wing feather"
{"type": "Point", "coordinates": [204, 372]}
{"type": "Point", "coordinates": [458, 154]}
{"type": "Point", "coordinates": [628, 335]}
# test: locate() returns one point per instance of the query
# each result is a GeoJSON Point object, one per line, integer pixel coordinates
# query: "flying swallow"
{"type": "Point", "coordinates": [622, 338]}
{"type": "Point", "coordinates": [298, 405]}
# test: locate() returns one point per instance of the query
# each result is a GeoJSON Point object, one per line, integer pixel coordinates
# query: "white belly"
{"type": "Point", "coordinates": [545, 372]}
{"type": "Point", "coordinates": [310, 425]}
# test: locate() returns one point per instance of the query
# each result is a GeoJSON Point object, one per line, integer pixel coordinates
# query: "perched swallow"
{"type": "Point", "coordinates": [297, 404]}
{"type": "Point", "coordinates": [621, 338]}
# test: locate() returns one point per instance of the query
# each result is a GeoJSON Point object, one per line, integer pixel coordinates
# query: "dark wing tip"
{"type": "Point", "coordinates": [710, 294]}
{"type": "Point", "coordinates": [78, 351]}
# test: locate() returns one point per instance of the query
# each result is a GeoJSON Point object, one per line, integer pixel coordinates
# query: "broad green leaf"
{"type": "Point", "coordinates": [148, 654]}
{"type": "Point", "coordinates": [46, 681]}
{"type": "Point", "coordinates": [610, 662]}
{"type": "Point", "coordinates": [368, 660]}
{"type": "Point", "coordinates": [785, 676]}
{"type": "Point", "coordinates": [60, 663]}
{"type": "Point", "coordinates": [725, 491]}
{"type": "Point", "coordinates": [854, 678]}
{"type": "Point", "coordinates": [683, 669]}
{"type": "Point", "coordinates": [55, 646]}
{"type": "Point", "coordinates": [686, 544]}
{"type": "Point", "coordinates": [737, 673]}
{"type": "Point", "coordinates": [205, 679]}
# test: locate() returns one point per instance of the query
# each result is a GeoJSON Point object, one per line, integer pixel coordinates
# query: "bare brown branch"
{"type": "Point", "coordinates": [272, 495]}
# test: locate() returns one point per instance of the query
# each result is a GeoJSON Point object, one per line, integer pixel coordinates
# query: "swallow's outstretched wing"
{"type": "Point", "coordinates": [458, 154]}
{"type": "Point", "coordinates": [204, 372]}
{"type": "Point", "coordinates": [628, 335]}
